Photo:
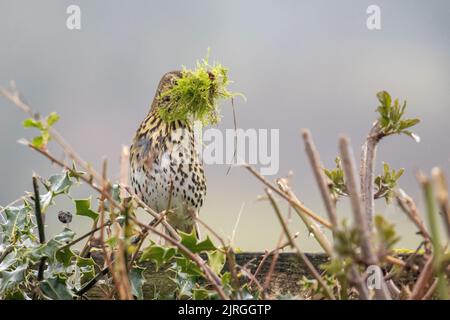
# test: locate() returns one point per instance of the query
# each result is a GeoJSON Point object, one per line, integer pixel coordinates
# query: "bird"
{"type": "Point", "coordinates": [166, 170]}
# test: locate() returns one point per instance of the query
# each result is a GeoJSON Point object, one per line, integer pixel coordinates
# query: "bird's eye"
{"type": "Point", "coordinates": [173, 81]}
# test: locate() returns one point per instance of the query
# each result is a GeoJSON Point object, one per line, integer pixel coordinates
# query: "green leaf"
{"type": "Point", "coordinates": [65, 236]}
{"type": "Point", "coordinates": [51, 247]}
{"type": "Point", "coordinates": [13, 278]}
{"type": "Point", "coordinates": [189, 240]}
{"type": "Point", "coordinates": [185, 284]}
{"type": "Point", "coordinates": [87, 267]}
{"type": "Point", "coordinates": [187, 266]}
{"type": "Point", "coordinates": [384, 98]}
{"type": "Point", "coordinates": [64, 256]}
{"type": "Point", "coordinates": [83, 208]}
{"type": "Point", "coordinates": [137, 281]}
{"type": "Point", "coordinates": [52, 118]}
{"type": "Point", "coordinates": [216, 260]}
{"type": "Point", "coordinates": [46, 200]}
{"type": "Point", "coordinates": [18, 294]}
{"type": "Point", "coordinates": [408, 123]}
{"type": "Point", "coordinates": [31, 123]}
{"type": "Point", "coordinates": [18, 221]}
{"type": "Point", "coordinates": [60, 183]}
{"type": "Point", "coordinates": [158, 255]}
{"type": "Point", "coordinates": [38, 142]}
{"type": "Point", "coordinates": [56, 289]}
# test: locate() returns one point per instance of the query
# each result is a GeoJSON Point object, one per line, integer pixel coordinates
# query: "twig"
{"type": "Point", "coordinates": [299, 253]}
{"type": "Point", "coordinates": [40, 225]}
{"type": "Point", "coordinates": [430, 291]}
{"type": "Point", "coordinates": [88, 286]}
{"type": "Point", "coordinates": [442, 197]}
{"type": "Point", "coordinates": [406, 203]}
{"type": "Point", "coordinates": [423, 280]}
{"type": "Point", "coordinates": [14, 97]}
{"type": "Point", "coordinates": [312, 227]}
{"type": "Point", "coordinates": [435, 237]}
{"type": "Point", "coordinates": [84, 236]}
{"type": "Point", "coordinates": [155, 215]}
{"type": "Point", "coordinates": [316, 165]}
{"type": "Point", "coordinates": [368, 155]}
{"type": "Point", "coordinates": [294, 202]}
{"type": "Point", "coordinates": [300, 208]}
{"type": "Point", "coordinates": [124, 169]}
{"type": "Point", "coordinates": [271, 252]}
{"type": "Point", "coordinates": [361, 222]}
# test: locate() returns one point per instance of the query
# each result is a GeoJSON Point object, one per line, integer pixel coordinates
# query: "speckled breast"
{"type": "Point", "coordinates": [164, 160]}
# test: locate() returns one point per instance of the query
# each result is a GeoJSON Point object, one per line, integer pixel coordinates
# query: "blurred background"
{"type": "Point", "coordinates": [301, 64]}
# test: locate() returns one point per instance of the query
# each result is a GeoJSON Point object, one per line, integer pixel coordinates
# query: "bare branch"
{"type": "Point", "coordinates": [317, 167]}
{"type": "Point", "coordinates": [349, 167]}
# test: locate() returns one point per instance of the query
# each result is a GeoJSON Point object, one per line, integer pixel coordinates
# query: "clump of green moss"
{"type": "Point", "coordinates": [195, 96]}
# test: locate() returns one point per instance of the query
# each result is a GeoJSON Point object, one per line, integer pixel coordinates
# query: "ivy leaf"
{"type": "Point", "coordinates": [64, 256]}
{"type": "Point", "coordinates": [56, 289]}
{"type": "Point", "coordinates": [189, 240]}
{"type": "Point", "coordinates": [10, 279]}
{"type": "Point", "coordinates": [65, 236]}
{"type": "Point", "coordinates": [216, 260]}
{"type": "Point", "coordinates": [158, 255]}
{"type": "Point", "coordinates": [87, 267]}
{"type": "Point", "coordinates": [18, 221]}
{"type": "Point", "coordinates": [16, 295]}
{"type": "Point", "coordinates": [187, 266]}
{"type": "Point", "coordinates": [83, 208]}
{"type": "Point", "coordinates": [46, 200]}
{"type": "Point", "coordinates": [137, 280]}
{"type": "Point", "coordinates": [60, 183]}
{"type": "Point", "coordinates": [203, 294]}
{"type": "Point", "coordinates": [51, 247]}
{"type": "Point", "coordinates": [185, 284]}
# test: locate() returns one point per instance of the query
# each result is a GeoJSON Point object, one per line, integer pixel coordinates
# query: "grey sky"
{"type": "Point", "coordinates": [300, 64]}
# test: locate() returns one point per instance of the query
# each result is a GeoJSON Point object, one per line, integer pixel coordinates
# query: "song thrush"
{"type": "Point", "coordinates": [166, 169]}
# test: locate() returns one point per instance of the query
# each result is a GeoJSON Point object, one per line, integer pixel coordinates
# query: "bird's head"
{"type": "Point", "coordinates": [167, 82]}
{"type": "Point", "coordinates": [191, 95]}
